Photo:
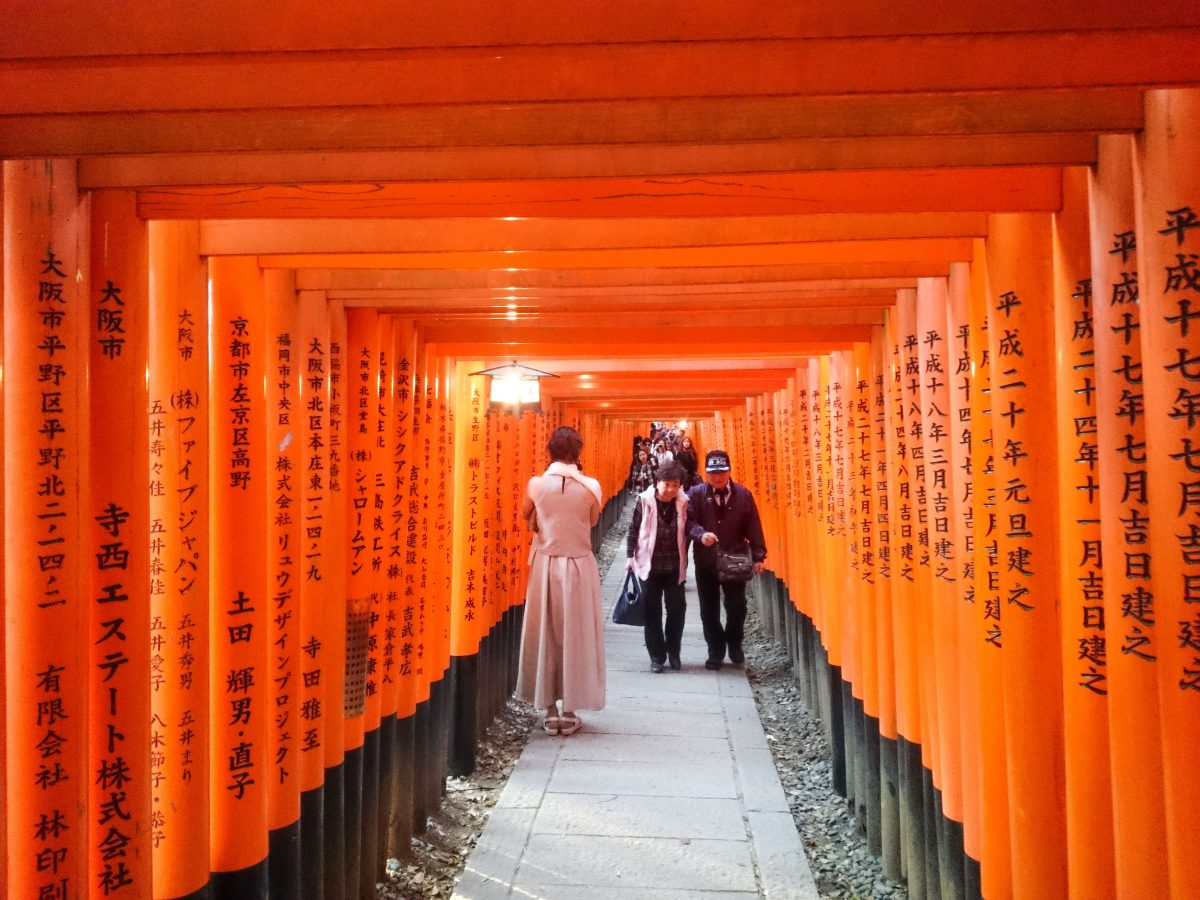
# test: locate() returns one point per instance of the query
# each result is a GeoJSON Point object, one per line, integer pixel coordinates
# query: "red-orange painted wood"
{"type": "Point", "coordinates": [1081, 583]}
{"type": "Point", "coordinates": [1168, 240]}
{"type": "Point", "coordinates": [283, 368]}
{"type": "Point", "coordinates": [46, 604]}
{"type": "Point", "coordinates": [240, 714]}
{"type": "Point", "coordinates": [1020, 324]}
{"type": "Point", "coordinates": [180, 558]}
{"type": "Point", "coordinates": [118, 511]}
{"type": "Point", "coordinates": [1123, 474]}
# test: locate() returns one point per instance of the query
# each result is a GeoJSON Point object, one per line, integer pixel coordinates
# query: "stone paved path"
{"type": "Point", "coordinates": [669, 793]}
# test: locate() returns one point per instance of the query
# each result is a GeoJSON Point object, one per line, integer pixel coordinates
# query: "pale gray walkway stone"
{"type": "Point", "coordinates": [669, 793]}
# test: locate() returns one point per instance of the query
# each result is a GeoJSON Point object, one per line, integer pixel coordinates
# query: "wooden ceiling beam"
{"type": "Point", "coordinates": [908, 250]}
{"type": "Point", "coordinates": [506, 279]}
{"type": "Point", "coordinates": [525, 206]}
{"type": "Point", "coordinates": [585, 161]}
{"type": "Point", "coordinates": [66, 28]}
{"type": "Point", "coordinates": [268, 236]}
{"type": "Point", "coordinates": [702, 119]}
{"type": "Point", "coordinates": [908, 64]}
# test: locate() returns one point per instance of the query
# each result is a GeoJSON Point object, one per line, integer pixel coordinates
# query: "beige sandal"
{"type": "Point", "coordinates": [551, 725]}
{"type": "Point", "coordinates": [569, 725]}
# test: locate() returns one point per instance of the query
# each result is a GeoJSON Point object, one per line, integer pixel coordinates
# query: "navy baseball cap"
{"type": "Point", "coordinates": [716, 461]}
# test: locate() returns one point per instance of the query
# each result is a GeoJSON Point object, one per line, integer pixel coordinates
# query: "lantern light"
{"type": "Point", "coordinates": [514, 388]}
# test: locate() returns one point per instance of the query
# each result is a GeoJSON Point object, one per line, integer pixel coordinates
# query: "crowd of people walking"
{"type": "Point", "coordinates": [675, 506]}
{"type": "Point", "coordinates": [561, 668]}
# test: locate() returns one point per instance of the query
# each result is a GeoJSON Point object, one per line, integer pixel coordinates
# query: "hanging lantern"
{"type": "Point", "coordinates": [514, 388]}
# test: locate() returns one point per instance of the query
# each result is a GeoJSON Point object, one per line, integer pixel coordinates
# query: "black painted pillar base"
{"type": "Point", "coordinates": [283, 862]}
{"type": "Point", "coordinates": [464, 682]}
{"type": "Point", "coordinates": [312, 842]}
{"type": "Point", "coordinates": [352, 767]}
{"type": "Point", "coordinates": [248, 882]}
{"type": "Point", "coordinates": [335, 833]}
{"type": "Point", "coordinates": [404, 789]}
{"type": "Point", "coordinates": [369, 864]}
{"type": "Point", "coordinates": [889, 807]}
{"type": "Point", "coordinates": [422, 763]}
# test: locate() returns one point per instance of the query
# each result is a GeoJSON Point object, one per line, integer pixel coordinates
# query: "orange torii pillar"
{"type": "Point", "coordinates": [961, 386]}
{"type": "Point", "coordinates": [942, 551]}
{"type": "Point", "coordinates": [179, 559]}
{"type": "Point", "coordinates": [282, 365]}
{"type": "Point", "coordinates": [424, 432]}
{"type": "Point", "coordinates": [904, 514]}
{"type": "Point", "coordinates": [1081, 582]}
{"type": "Point", "coordinates": [443, 478]}
{"type": "Point", "coordinates": [1021, 331]}
{"type": "Point", "coordinates": [1169, 250]}
{"type": "Point", "coordinates": [334, 670]}
{"type": "Point", "coordinates": [883, 532]}
{"type": "Point", "coordinates": [46, 577]}
{"type": "Point", "coordinates": [239, 604]}
{"type": "Point", "coordinates": [995, 859]}
{"type": "Point", "coordinates": [362, 586]}
{"type": "Point", "coordinates": [118, 558]}
{"type": "Point", "coordinates": [469, 561]}
{"type": "Point", "coordinates": [1129, 619]}
{"type": "Point", "coordinates": [313, 578]}
{"type": "Point", "coordinates": [403, 478]}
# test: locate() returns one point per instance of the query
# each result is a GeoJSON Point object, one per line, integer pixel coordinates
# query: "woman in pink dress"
{"type": "Point", "coordinates": [562, 641]}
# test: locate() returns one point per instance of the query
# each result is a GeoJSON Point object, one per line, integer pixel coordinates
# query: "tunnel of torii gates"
{"type": "Point", "coordinates": [263, 570]}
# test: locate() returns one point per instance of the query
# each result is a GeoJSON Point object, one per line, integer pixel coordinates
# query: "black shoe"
{"type": "Point", "coordinates": [736, 656]}
{"type": "Point", "coordinates": [714, 664]}
{"type": "Point", "coordinates": [656, 668]}
{"type": "Point", "coordinates": [673, 661]}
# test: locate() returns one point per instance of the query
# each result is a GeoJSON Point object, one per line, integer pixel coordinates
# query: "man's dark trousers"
{"type": "Point", "coordinates": [708, 589]}
{"type": "Point", "coordinates": [655, 589]}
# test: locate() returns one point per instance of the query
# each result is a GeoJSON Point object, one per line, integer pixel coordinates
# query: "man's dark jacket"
{"type": "Point", "coordinates": [739, 524]}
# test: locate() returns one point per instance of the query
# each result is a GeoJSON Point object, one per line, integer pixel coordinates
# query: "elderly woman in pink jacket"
{"type": "Point", "coordinates": [656, 548]}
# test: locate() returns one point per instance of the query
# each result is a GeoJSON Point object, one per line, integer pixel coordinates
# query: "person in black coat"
{"type": "Point", "coordinates": [722, 513]}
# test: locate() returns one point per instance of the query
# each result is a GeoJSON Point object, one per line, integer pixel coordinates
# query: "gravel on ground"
{"type": "Point", "coordinates": [833, 839]}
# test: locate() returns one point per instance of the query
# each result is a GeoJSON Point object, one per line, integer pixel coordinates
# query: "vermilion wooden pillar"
{"type": "Point", "coordinates": [334, 680]}
{"type": "Point", "coordinates": [996, 847]}
{"type": "Point", "coordinates": [239, 602]}
{"type": "Point", "coordinates": [283, 365]}
{"type": "Point", "coordinates": [941, 549]}
{"type": "Point", "coordinates": [179, 558]}
{"type": "Point", "coordinates": [118, 512]}
{"type": "Point", "coordinates": [961, 386]}
{"type": "Point", "coordinates": [1081, 580]}
{"type": "Point", "coordinates": [46, 604]}
{"type": "Point", "coordinates": [1129, 613]}
{"type": "Point", "coordinates": [1168, 248]}
{"type": "Point", "coordinates": [1020, 322]}
{"type": "Point", "coordinates": [361, 421]}
{"type": "Point", "coordinates": [314, 578]}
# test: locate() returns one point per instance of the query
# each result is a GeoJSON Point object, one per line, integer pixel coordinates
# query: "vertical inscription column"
{"type": "Point", "coordinates": [45, 599]}
{"type": "Point", "coordinates": [1169, 251]}
{"type": "Point", "coordinates": [1021, 343]}
{"type": "Point", "coordinates": [1128, 613]}
{"type": "Point", "coordinates": [119, 726]}
{"type": "Point", "coordinates": [239, 603]}
{"type": "Point", "coordinates": [179, 559]}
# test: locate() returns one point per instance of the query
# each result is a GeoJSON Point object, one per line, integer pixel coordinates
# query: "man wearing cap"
{"type": "Point", "coordinates": [722, 513]}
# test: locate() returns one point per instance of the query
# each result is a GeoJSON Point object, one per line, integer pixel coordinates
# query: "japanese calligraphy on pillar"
{"type": "Point", "coordinates": [1120, 427]}
{"type": "Point", "coordinates": [283, 535]}
{"type": "Point", "coordinates": [46, 676]}
{"type": "Point", "coordinates": [313, 489]}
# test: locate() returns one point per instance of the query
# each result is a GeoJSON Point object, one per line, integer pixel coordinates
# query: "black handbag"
{"type": "Point", "coordinates": [734, 565]}
{"type": "Point", "coordinates": [629, 609]}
